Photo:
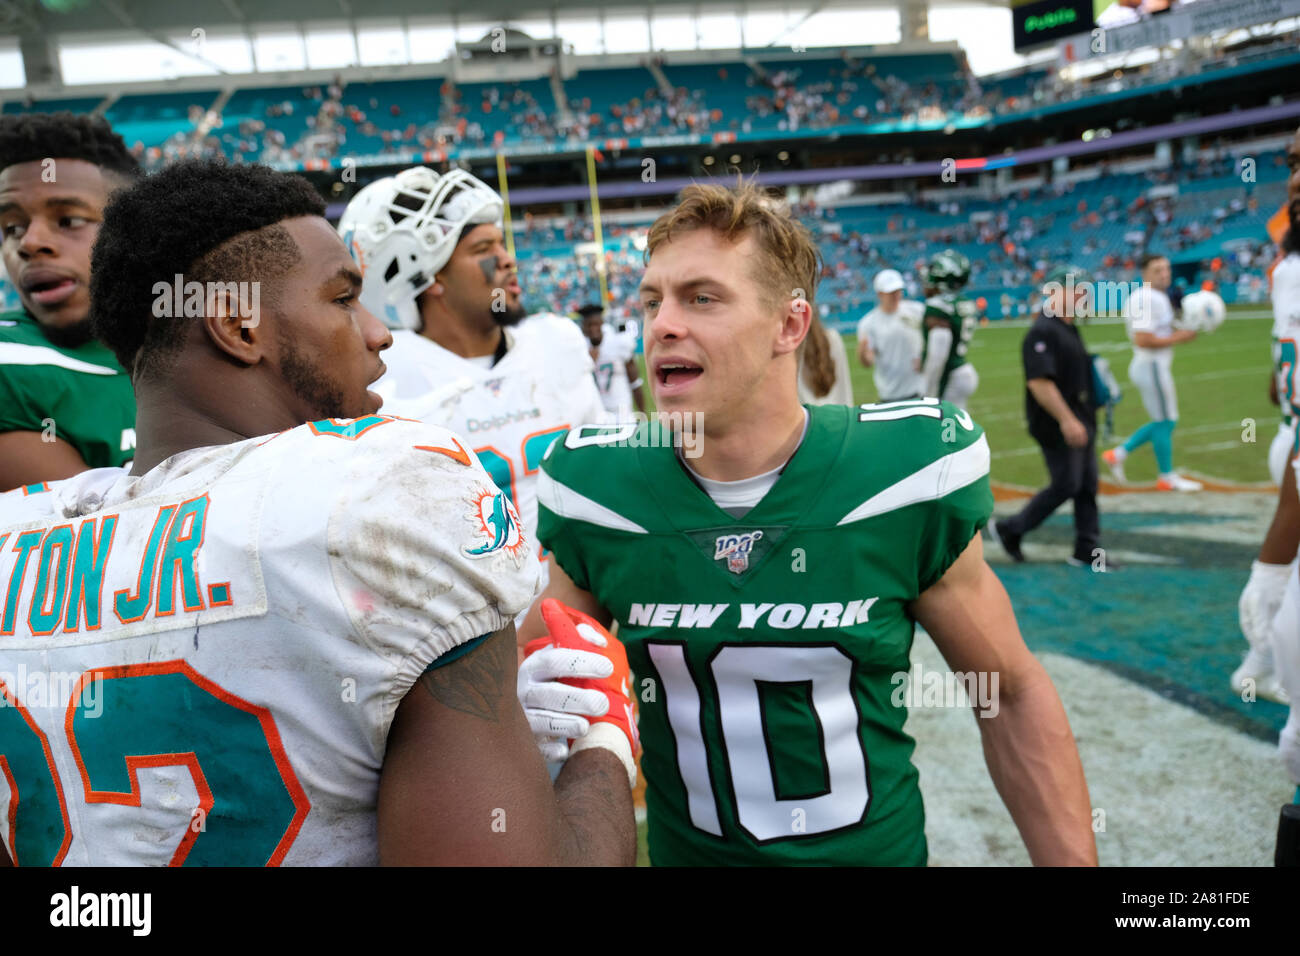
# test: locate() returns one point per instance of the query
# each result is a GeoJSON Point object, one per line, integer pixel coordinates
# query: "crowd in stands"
{"type": "Point", "coordinates": [808, 92]}
{"type": "Point", "coordinates": [1104, 224]}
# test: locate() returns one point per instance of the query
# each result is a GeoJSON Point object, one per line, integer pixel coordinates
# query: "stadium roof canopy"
{"type": "Point", "coordinates": [291, 38]}
{"type": "Point", "coordinates": [49, 17]}
{"type": "Point", "coordinates": [158, 18]}
{"type": "Point", "coordinates": [88, 16]}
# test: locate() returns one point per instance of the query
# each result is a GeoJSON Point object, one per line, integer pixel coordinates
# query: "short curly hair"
{"type": "Point", "coordinates": [203, 220]}
{"type": "Point", "coordinates": [32, 137]}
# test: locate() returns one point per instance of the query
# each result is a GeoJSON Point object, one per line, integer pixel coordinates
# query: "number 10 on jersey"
{"type": "Point", "coordinates": [806, 692]}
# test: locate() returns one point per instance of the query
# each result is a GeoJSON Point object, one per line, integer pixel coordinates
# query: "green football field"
{"type": "Point", "coordinates": [1222, 382]}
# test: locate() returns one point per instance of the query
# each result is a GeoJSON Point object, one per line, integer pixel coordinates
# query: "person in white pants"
{"type": "Point", "coordinates": [1149, 316]}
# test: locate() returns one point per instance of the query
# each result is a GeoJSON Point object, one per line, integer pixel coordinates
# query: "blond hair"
{"type": "Point", "coordinates": [788, 262]}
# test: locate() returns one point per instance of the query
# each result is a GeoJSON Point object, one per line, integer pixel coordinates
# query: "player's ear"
{"type": "Point", "coordinates": [795, 322]}
{"type": "Point", "coordinates": [232, 319]}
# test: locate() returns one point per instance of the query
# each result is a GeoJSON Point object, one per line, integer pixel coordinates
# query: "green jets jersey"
{"type": "Point", "coordinates": [960, 316]}
{"type": "Point", "coordinates": [81, 395]}
{"type": "Point", "coordinates": [768, 650]}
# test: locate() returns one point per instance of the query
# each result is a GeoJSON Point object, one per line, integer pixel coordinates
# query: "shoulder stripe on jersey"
{"type": "Point", "coordinates": [932, 482]}
{"type": "Point", "coordinates": [901, 403]}
{"type": "Point", "coordinates": [567, 503]}
{"type": "Point", "coordinates": [14, 353]}
{"type": "Point", "coordinates": [889, 414]}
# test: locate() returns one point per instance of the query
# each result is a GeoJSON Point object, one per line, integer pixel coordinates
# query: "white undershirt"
{"type": "Point", "coordinates": [736, 498]}
{"type": "Point", "coordinates": [482, 361]}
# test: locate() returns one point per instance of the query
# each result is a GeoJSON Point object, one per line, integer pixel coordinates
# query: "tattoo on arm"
{"type": "Point", "coordinates": [475, 684]}
{"type": "Point", "coordinates": [597, 804]}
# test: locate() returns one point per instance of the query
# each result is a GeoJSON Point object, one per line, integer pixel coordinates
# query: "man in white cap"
{"type": "Point", "coordinates": [889, 341]}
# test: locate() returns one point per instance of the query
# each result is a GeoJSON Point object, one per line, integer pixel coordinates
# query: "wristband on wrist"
{"type": "Point", "coordinates": [608, 737]}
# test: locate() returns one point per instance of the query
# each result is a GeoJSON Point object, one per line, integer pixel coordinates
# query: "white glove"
{"type": "Point", "coordinates": [1285, 635]}
{"type": "Point", "coordinates": [553, 708]}
{"type": "Point", "coordinates": [1260, 599]}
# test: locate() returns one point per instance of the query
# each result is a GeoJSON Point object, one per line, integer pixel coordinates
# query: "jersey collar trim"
{"type": "Point", "coordinates": [688, 507]}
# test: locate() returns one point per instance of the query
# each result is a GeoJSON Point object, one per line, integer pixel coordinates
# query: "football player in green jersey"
{"type": "Point", "coordinates": [65, 403]}
{"type": "Point", "coordinates": [767, 589]}
{"type": "Point", "coordinates": [949, 326]}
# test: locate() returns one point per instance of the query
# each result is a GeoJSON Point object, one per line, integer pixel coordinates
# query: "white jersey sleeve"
{"type": "Point", "coordinates": [1286, 298]}
{"type": "Point", "coordinates": [426, 553]}
{"type": "Point", "coordinates": [1149, 311]}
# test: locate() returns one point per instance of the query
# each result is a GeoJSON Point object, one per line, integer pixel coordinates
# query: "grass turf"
{"type": "Point", "coordinates": [1222, 382]}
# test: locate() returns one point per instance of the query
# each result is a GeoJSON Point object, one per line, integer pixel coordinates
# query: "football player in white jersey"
{"type": "Point", "coordinates": [890, 342]}
{"type": "Point", "coordinates": [1276, 564]}
{"type": "Point", "coordinates": [1286, 343]}
{"type": "Point", "coordinates": [1149, 317]}
{"type": "Point", "coordinates": [464, 354]}
{"type": "Point", "coordinates": [614, 353]}
{"type": "Point", "coordinates": [271, 642]}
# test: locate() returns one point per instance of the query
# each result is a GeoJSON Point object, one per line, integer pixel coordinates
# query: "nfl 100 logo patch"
{"type": "Point", "coordinates": [735, 548]}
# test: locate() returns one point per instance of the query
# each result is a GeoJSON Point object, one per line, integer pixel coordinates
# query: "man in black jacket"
{"type": "Point", "coordinates": [1061, 409]}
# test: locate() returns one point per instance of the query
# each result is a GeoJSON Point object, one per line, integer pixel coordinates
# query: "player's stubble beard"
{"type": "Point", "coordinates": [509, 316]}
{"type": "Point", "coordinates": [309, 382]}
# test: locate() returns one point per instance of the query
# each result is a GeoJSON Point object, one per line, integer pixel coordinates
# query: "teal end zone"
{"type": "Point", "coordinates": [1171, 627]}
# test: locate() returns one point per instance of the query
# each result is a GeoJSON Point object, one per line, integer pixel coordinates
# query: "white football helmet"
{"type": "Point", "coordinates": [402, 229]}
{"type": "Point", "coordinates": [1203, 311]}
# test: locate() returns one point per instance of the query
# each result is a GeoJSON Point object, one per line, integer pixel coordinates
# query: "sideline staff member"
{"type": "Point", "coordinates": [1060, 406]}
{"type": "Point", "coordinates": [889, 338]}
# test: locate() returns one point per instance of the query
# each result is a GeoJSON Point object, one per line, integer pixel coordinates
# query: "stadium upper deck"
{"type": "Point", "coordinates": [768, 97]}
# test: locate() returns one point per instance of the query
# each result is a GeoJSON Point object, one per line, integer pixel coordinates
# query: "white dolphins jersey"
{"type": "Point", "coordinates": [200, 664]}
{"type": "Point", "coordinates": [1150, 311]}
{"type": "Point", "coordinates": [615, 351]}
{"type": "Point", "coordinates": [1286, 332]}
{"type": "Point", "coordinates": [509, 413]}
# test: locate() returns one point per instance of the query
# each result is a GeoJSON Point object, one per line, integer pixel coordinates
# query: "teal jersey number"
{"type": "Point", "coordinates": [39, 832]}
{"type": "Point", "coordinates": [531, 451]}
{"type": "Point", "coordinates": [251, 805]}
